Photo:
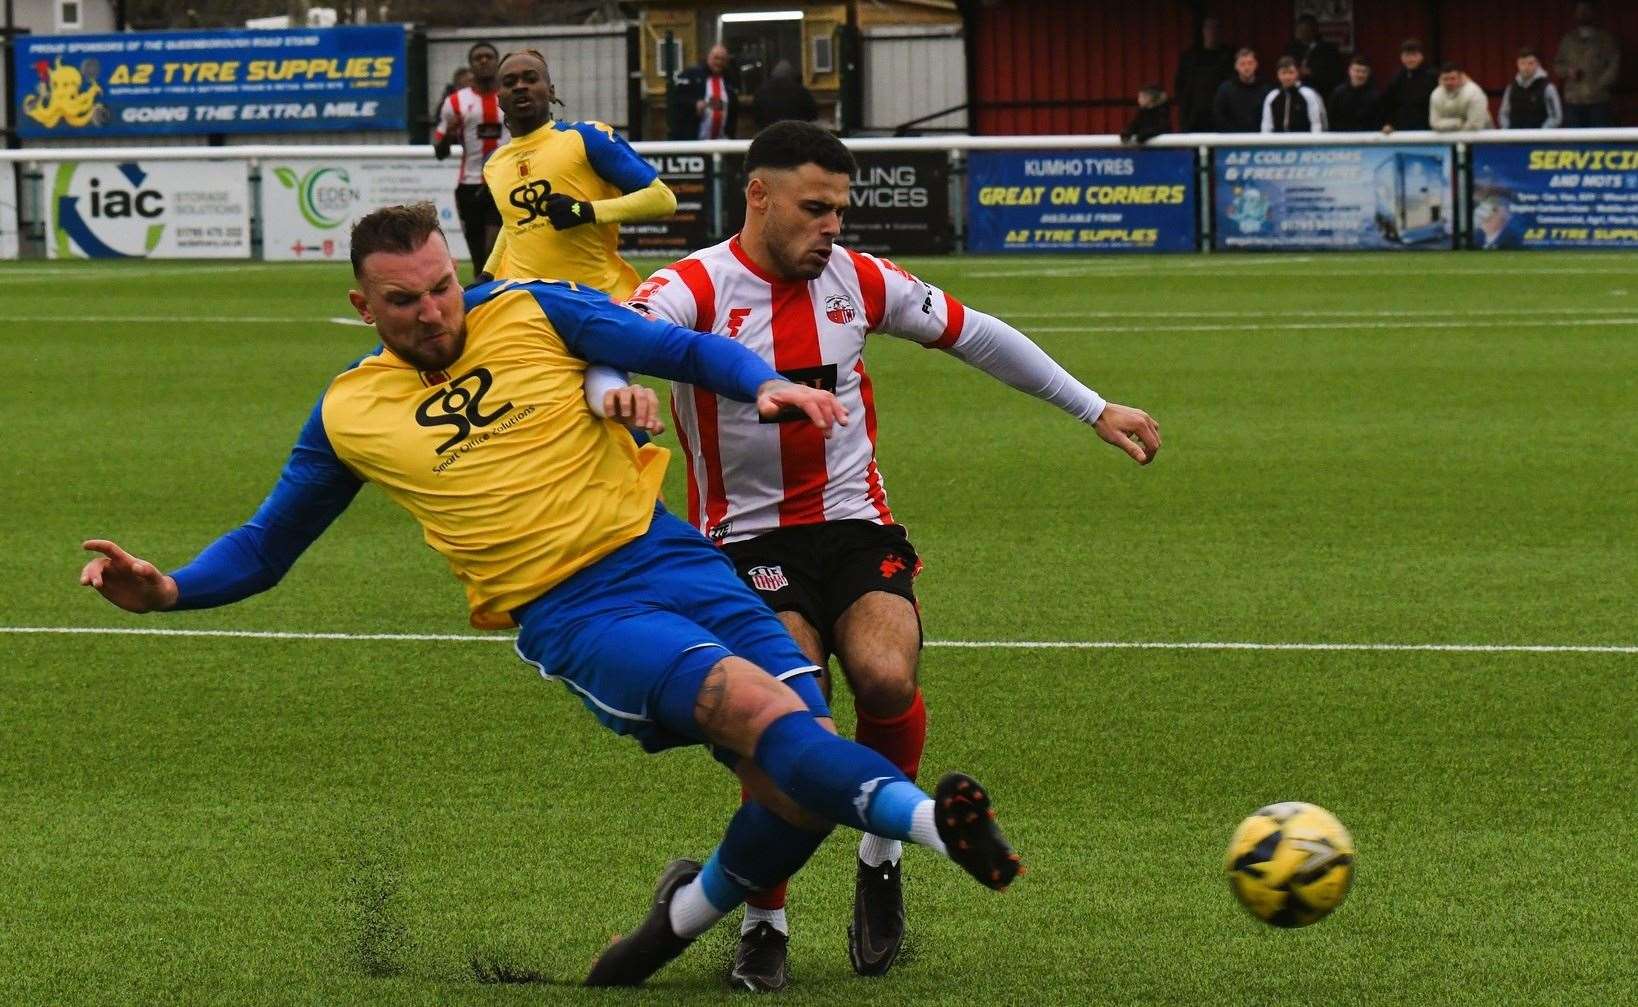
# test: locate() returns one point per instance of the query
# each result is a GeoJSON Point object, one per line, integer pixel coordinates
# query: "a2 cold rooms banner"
{"type": "Point", "coordinates": [147, 209]}
{"type": "Point", "coordinates": [1306, 198]}
{"type": "Point", "coordinates": [1081, 201]}
{"type": "Point", "coordinates": [1563, 196]}
{"type": "Point", "coordinates": [229, 81]}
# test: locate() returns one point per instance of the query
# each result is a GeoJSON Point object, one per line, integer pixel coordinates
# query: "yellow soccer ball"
{"type": "Point", "coordinates": [1291, 863]}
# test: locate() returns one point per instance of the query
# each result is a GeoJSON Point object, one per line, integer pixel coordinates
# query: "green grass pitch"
{"type": "Point", "coordinates": [1390, 449]}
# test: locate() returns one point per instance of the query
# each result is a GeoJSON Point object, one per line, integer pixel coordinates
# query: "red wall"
{"type": "Point", "coordinates": [1050, 51]}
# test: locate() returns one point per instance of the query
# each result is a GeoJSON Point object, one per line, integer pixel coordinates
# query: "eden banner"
{"type": "Point", "coordinates": [227, 81]}
{"type": "Point", "coordinates": [309, 206]}
{"type": "Point", "coordinates": [1082, 201]}
{"type": "Point", "coordinates": [147, 210]}
{"type": "Point", "coordinates": [1573, 195]}
{"type": "Point", "coordinates": [1382, 196]}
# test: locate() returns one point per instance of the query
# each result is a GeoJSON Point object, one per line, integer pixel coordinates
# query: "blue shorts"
{"type": "Point", "coordinates": [634, 634]}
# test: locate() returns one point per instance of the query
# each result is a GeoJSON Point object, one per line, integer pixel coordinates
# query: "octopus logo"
{"type": "Point", "coordinates": [66, 94]}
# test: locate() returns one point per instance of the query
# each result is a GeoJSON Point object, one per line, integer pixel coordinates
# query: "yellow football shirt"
{"type": "Point", "coordinates": [585, 160]}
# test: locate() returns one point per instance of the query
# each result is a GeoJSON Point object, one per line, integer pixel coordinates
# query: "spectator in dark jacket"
{"type": "Point", "coordinates": [1238, 107]}
{"type": "Point", "coordinates": [1154, 116]}
{"type": "Point", "coordinates": [705, 100]}
{"type": "Point", "coordinates": [1201, 70]}
{"type": "Point", "coordinates": [1355, 107]}
{"type": "Point", "coordinates": [1531, 100]}
{"type": "Point", "coordinates": [1293, 107]}
{"type": "Point", "coordinates": [1319, 61]}
{"type": "Point", "coordinates": [783, 97]}
{"type": "Point", "coordinates": [1405, 101]}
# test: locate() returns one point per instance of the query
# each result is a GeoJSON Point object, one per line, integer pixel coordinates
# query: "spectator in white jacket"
{"type": "Point", "coordinates": [1458, 104]}
{"type": "Point", "coordinates": [1293, 107]}
{"type": "Point", "coordinates": [1531, 100]}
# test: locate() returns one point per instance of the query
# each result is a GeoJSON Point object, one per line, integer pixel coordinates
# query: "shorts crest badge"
{"type": "Point", "coordinates": [768, 578]}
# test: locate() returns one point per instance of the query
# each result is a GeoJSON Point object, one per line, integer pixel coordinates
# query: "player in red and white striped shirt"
{"type": "Point", "coordinates": [473, 116]}
{"type": "Point", "coordinates": [806, 519]}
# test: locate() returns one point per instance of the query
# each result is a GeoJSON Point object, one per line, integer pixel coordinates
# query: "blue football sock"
{"type": "Point", "coordinates": [837, 778]}
{"type": "Point", "coordinates": [758, 851]}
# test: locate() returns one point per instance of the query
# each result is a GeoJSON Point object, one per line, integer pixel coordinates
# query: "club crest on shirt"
{"type": "Point", "coordinates": [839, 309]}
{"type": "Point", "coordinates": [768, 578]}
{"type": "Point", "coordinates": [523, 169]}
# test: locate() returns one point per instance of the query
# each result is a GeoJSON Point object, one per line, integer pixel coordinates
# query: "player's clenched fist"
{"type": "Point", "coordinates": [636, 406]}
{"type": "Point", "coordinates": [133, 584]}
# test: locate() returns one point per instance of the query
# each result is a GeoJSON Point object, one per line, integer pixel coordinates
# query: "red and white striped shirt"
{"type": "Point", "coordinates": [474, 118]}
{"type": "Point", "coordinates": [747, 477]}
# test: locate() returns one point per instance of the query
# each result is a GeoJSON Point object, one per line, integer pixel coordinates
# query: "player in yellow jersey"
{"type": "Point", "coordinates": [472, 416]}
{"type": "Point", "coordinates": [563, 189]}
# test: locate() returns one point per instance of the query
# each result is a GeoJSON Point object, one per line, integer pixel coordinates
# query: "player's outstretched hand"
{"type": "Point", "coordinates": [786, 400]}
{"type": "Point", "coordinates": [635, 406]}
{"type": "Point", "coordinates": [1132, 430]}
{"type": "Point", "coordinates": [133, 584]}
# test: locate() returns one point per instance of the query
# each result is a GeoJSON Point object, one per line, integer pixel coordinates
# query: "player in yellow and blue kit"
{"type": "Point", "coordinates": [563, 188]}
{"type": "Point", "coordinates": [472, 416]}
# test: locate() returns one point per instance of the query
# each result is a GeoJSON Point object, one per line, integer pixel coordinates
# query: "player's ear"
{"type": "Point", "coordinates": [361, 306]}
{"type": "Point", "coordinates": [756, 192]}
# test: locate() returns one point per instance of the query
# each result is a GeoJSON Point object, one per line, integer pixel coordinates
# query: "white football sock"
{"type": "Point", "coordinates": [878, 850]}
{"type": "Point", "coordinates": [692, 913]}
{"type": "Point", "coordinates": [924, 830]}
{"type": "Point", "coordinates": [773, 917]}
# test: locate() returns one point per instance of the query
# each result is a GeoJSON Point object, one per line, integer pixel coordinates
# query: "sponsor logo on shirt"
{"type": "Point", "coordinates": [459, 404]}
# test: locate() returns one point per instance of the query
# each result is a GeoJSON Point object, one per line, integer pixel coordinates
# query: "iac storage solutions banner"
{"type": "Point", "coordinates": [1560, 196]}
{"type": "Point", "coordinates": [1376, 197]}
{"type": "Point", "coordinates": [148, 209]}
{"type": "Point", "coordinates": [308, 206]}
{"type": "Point", "coordinates": [229, 81]}
{"type": "Point", "coordinates": [1081, 201]}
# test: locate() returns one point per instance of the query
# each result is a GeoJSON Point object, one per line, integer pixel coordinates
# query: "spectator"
{"type": "Point", "coordinates": [1405, 102]}
{"type": "Point", "coordinates": [1458, 104]}
{"type": "Point", "coordinates": [1293, 107]}
{"type": "Point", "coordinates": [1319, 61]}
{"type": "Point", "coordinates": [783, 97]}
{"type": "Point", "coordinates": [1201, 70]}
{"type": "Point", "coordinates": [1154, 116]}
{"type": "Point", "coordinates": [1589, 60]}
{"type": "Point", "coordinates": [1531, 100]}
{"type": "Point", "coordinates": [1238, 107]}
{"type": "Point", "coordinates": [705, 99]}
{"type": "Point", "coordinates": [1354, 106]}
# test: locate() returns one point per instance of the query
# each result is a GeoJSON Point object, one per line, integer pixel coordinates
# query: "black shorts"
{"type": "Point", "coordinates": [818, 570]}
{"type": "Point", "coordinates": [476, 208]}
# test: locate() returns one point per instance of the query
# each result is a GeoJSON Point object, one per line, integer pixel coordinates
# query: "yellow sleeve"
{"type": "Point", "coordinates": [651, 203]}
{"type": "Point", "coordinates": [497, 255]}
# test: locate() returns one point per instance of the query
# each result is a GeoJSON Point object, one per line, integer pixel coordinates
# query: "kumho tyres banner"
{"type": "Point", "coordinates": [1579, 195]}
{"type": "Point", "coordinates": [1082, 201]}
{"type": "Point", "coordinates": [1313, 198]}
{"type": "Point", "coordinates": [154, 210]}
{"type": "Point", "coordinates": [308, 206]}
{"type": "Point", "coordinates": [230, 81]}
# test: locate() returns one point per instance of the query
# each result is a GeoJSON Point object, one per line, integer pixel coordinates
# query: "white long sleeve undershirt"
{"type": "Point", "coordinates": [1011, 357]}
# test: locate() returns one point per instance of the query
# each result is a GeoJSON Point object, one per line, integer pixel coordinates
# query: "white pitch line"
{"type": "Point", "coordinates": [1140, 313]}
{"type": "Point", "coordinates": [170, 319]}
{"type": "Point", "coordinates": [1456, 648]}
{"type": "Point", "coordinates": [1252, 323]}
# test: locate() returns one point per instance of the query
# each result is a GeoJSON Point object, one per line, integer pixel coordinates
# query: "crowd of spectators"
{"type": "Point", "coordinates": [1218, 88]}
